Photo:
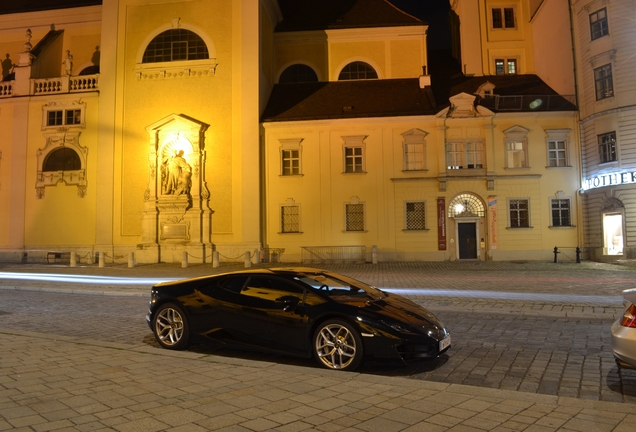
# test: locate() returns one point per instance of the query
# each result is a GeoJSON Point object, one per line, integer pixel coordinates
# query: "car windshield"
{"type": "Point", "coordinates": [335, 285]}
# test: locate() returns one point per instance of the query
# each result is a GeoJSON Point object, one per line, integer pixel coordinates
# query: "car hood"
{"type": "Point", "coordinates": [395, 307]}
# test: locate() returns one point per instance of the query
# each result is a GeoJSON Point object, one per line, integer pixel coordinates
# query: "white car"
{"type": "Point", "coordinates": [624, 333]}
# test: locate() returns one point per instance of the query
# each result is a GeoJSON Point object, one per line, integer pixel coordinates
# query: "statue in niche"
{"type": "Point", "coordinates": [176, 175]}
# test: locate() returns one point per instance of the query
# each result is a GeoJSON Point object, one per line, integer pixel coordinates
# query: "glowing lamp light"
{"type": "Point", "coordinates": [459, 208]}
{"type": "Point", "coordinates": [536, 103]}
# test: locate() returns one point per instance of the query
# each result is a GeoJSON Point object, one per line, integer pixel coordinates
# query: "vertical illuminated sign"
{"type": "Point", "coordinates": [441, 224]}
{"type": "Point", "coordinates": [492, 221]}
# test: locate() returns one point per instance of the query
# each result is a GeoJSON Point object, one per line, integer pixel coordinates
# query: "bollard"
{"type": "Point", "coordinates": [215, 259]}
{"type": "Point", "coordinates": [131, 260]}
{"type": "Point", "coordinates": [248, 259]}
{"type": "Point", "coordinates": [556, 252]}
{"type": "Point", "coordinates": [184, 260]}
{"type": "Point", "coordinates": [374, 254]}
{"type": "Point", "coordinates": [256, 257]}
{"type": "Point", "coordinates": [578, 255]}
{"type": "Point", "coordinates": [73, 260]}
{"type": "Point", "coordinates": [102, 259]}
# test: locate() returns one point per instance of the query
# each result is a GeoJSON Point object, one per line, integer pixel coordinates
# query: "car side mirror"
{"type": "Point", "coordinates": [288, 303]}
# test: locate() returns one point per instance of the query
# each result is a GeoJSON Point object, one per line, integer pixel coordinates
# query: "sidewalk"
{"type": "Point", "coordinates": [68, 384]}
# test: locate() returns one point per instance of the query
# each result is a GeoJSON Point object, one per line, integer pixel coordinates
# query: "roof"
{"type": "Point", "coordinates": [302, 15]}
{"type": "Point", "coordinates": [348, 99]}
{"type": "Point", "coordinates": [9, 7]}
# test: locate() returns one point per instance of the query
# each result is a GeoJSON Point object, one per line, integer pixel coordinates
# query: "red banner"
{"type": "Point", "coordinates": [441, 224]}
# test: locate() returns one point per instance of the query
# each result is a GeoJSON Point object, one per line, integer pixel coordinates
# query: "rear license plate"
{"type": "Point", "coordinates": [444, 343]}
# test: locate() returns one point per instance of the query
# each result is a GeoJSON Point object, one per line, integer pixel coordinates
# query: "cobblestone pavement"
{"type": "Point", "coordinates": [544, 361]}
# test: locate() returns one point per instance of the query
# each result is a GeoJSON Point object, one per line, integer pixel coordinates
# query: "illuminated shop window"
{"type": "Point", "coordinates": [613, 234]}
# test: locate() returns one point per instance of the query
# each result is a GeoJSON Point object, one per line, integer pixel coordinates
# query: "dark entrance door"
{"type": "Point", "coordinates": [467, 240]}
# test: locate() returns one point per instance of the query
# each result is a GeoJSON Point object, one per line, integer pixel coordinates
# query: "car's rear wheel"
{"type": "Point", "coordinates": [171, 327]}
{"type": "Point", "coordinates": [337, 345]}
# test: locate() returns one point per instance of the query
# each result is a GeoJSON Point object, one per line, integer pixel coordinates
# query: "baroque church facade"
{"type": "Point", "coordinates": [295, 131]}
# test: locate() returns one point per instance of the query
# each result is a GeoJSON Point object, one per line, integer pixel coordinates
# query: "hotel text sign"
{"type": "Point", "coordinates": [611, 179]}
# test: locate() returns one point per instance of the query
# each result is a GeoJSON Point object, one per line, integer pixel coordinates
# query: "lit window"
{"type": "Point", "coordinates": [416, 215]}
{"type": "Point", "coordinates": [603, 82]}
{"type": "Point", "coordinates": [298, 73]}
{"type": "Point", "coordinates": [613, 234]}
{"type": "Point", "coordinates": [518, 212]}
{"type": "Point", "coordinates": [464, 155]}
{"type": "Point", "coordinates": [175, 45]}
{"type": "Point", "coordinates": [607, 147]}
{"type": "Point", "coordinates": [354, 217]}
{"type": "Point", "coordinates": [290, 219]}
{"type": "Point", "coordinates": [557, 153]}
{"type": "Point", "coordinates": [290, 162]}
{"type": "Point", "coordinates": [413, 157]}
{"type": "Point", "coordinates": [516, 154]}
{"type": "Point", "coordinates": [503, 18]}
{"type": "Point", "coordinates": [505, 66]}
{"type": "Point", "coordinates": [560, 212]}
{"type": "Point", "coordinates": [598, 24]}
{"type": "Point", "coordinates": [357, 71]}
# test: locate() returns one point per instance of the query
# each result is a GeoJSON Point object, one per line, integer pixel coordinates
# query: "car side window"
{"type": "Point", "coordinates": [271, 289]}
{"type": "Point", "coordinates": [233, 284]}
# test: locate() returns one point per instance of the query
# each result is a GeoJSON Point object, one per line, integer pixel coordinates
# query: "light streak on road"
{"type": "Point", "coordinates": [83, 279]}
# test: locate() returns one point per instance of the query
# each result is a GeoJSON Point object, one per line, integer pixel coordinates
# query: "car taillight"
{"type": "Point", "coordinates": [629, 317]}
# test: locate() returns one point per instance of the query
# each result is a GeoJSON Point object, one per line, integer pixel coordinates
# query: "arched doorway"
{"type": "Point", "coordinates": [467, 210]}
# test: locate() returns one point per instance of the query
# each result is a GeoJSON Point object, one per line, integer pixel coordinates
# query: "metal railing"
{"type": "Point", "coordinates": [333, 254]}
{"type": "Point", "coordinates": [529, 102]}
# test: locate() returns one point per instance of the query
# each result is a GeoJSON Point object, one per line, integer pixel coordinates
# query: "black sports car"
{"type": "Point", "coordinates": [301, 311]}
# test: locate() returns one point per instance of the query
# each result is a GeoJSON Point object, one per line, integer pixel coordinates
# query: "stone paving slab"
{"type": "Point", "coordinates": [70, 384]}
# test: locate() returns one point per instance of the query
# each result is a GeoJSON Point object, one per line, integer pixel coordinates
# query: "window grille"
{"type": "Point", "coordinates": [519, 217]}
{"type": "Point", "coordinates": [290, 219]}
{"type": "Point", "coordinates": [561, 212]}
{"type": "Point", "coordinates": [466, 205]}
{"type": "Point", "coordinates": [415, 215]}
{"type": "Point", "coordinates": [355, 217]}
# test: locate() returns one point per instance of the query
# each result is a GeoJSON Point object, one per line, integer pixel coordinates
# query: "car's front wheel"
{"type": "Point", "coordinates": [337, 345]}
{"type": "Point", "coordinates": [170, 327]}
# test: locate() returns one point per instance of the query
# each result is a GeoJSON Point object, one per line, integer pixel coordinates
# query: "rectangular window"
{"type": "Point", "coordinates": [516, 154]}
{"type": "Point", "coordinates": [413, 157]}
{"type": "Point", "coordinates": [561, 212]}
{"type": "Point", "coordinates": [354, 217]}
{"type": "Point", "coordinates": [557, 153]}
{"type": "Point", "coordinates": [603, 82]}
{"type": "Point", "coordinates": [290, 219]}
{"type": "Point", "coordinates": [505, 66]}
{"type": "Point", "coordinates": [54, 118]}
{"type": "Point", "coordinates": [607, 147]}
{"type": "Point", "coordinates": [416, 215]}
{"type": "Point", "coordinates": [503, 18]}
{"type": "Point", "coordinates": [290, 162]}
{"type": "Point", "coordinates": [73, 117]}
{"type": "Point", "coordinates": [519, 216]}
{"type": "Point", "coordinates": [467, 155]}
{"type": "Point", "coordinates": [354, 160]}
{"type": "Point", "coordinates": [598, 24]}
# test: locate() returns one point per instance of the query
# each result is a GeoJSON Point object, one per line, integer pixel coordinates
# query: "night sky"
{"type": "Point", "coordinates": [435, 13]}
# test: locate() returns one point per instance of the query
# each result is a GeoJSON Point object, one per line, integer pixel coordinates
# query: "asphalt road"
{"type": "Point", "coordinates": [548, 353]}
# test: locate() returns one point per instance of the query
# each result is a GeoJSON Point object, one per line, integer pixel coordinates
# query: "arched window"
{"type": "Point", "coordinates": [62, 159]}
{"type": "Point", "coordinates": [466, 205]}
{"type": "Point", "coordinates": [175, 45]}
{"type": "Point", "coordinates": [298, 73]}
{"type": "Point", "coordinates": [357, 71]}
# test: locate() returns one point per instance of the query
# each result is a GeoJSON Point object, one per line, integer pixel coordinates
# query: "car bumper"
{"type": "Point", "coordinates": [623, 345]}
{"type": "Point", "coordinates": [407, 349]}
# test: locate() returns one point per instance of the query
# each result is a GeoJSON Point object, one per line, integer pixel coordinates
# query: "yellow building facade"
{"type": "Point", "coordinates": [146, 129]}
